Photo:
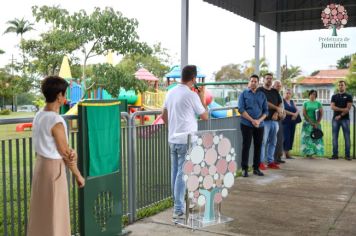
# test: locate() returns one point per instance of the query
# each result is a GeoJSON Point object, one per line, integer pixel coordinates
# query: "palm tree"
{"type": "Point", "coordinates": [289, 74]}
{"type": "Point", "coordinates": [19, 26]}
{"type": "Point", "coordinates": [249, 67]}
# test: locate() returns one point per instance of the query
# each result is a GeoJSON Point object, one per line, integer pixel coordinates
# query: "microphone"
{"type": "Point", "coordinates": [196, 87]}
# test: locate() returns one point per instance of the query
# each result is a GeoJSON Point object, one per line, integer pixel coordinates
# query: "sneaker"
{"type": "Point", "coordinates": [244, 173]}
{"type": "Point", "coordinates": [334, 157]}
{"type": "Point", "coordinates": [273, 165]}
{"type": "Point", "coordinates": [178, 215]}
{"type": "Point", "coordinates": [262, 166]}
{"type": "Point", "coordinates": [348, 158]}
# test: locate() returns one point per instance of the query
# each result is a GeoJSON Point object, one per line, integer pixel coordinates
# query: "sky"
{"type": "Point", "coordinates": [216, 37]}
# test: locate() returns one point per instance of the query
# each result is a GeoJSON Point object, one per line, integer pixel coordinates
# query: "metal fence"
{"type": "Point", "coordinates": [326, 126]}
{"type": "Point", "coordinates": [17, 161]}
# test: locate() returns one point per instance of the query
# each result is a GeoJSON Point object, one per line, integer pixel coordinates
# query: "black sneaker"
{"type": "Point", "coordinates": [280, 161]}
{"type": "Point", "coordinates": [245, 173]}
{"type": "Point", "coordinates": [334, 157]}
{"type": "Point", "coordinates": [348, 158]}
{"type": "Point", "coordinates": [258, 172]}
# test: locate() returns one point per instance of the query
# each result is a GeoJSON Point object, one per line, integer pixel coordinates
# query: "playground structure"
{"type": "Point", "coordinates": [23, 126]}
{"type": "Point", "coordinates": [148, 100]}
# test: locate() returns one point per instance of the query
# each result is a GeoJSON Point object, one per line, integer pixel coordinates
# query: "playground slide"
{"type": "Point", "coordinates": [158, 121]}
{"type": "Point", "coordinates": [217, 114]}
{"type": "Point", "coordinates": [73, 110]}
{"type": "Point", "coordinates": [23, 126]}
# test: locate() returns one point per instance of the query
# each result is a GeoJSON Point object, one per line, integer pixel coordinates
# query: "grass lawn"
{"type": "Point", "coordinates": [9, 131]}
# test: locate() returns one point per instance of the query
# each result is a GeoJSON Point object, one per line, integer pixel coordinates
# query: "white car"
{"type": "Point", "coordinates": [26, 108]}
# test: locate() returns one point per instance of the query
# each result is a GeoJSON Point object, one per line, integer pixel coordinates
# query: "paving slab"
{"type": "Point", "coordinates": [345, 224]}
{"type": "Point", "coordinates": [305, 197]}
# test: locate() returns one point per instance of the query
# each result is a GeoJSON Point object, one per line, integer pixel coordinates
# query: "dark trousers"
{"type": "Point", "coordinates": [247, 134]}
{"type": "Point", "coordinates": [288, 134]}
{"type": "Point", "coordinates": [278, 152]}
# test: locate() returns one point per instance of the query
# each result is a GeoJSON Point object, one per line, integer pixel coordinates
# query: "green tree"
{"type": "Point", "coordinates": [2, 51]}
{"type": "Point", "coordinates": [11, 85]}
{"type": "Point", "coordinates": [249, 67]}
{"type": "Point", "coordinates": [25, 98]}
{"type": "Point", "coordinates": [20, 26]}
{"type": "Point", "coordinates": [113, 78]}
{"type": "Point", "coordinates": [96, 33]}
{"type": "Point", "coordinates": [344, 62]}
{"type": "Point", "coordinates": [351, 77]}
{"type": "Point", "coordinates": [48, 51]}
{"type": "Point", "coordinates": [4, 86]}
{"type": "Point", "coordinates": [157, 62]}
{"type": "Point", "coordinates": [230, 72]}
{"type": "Point", "coordinates": [289, 73]}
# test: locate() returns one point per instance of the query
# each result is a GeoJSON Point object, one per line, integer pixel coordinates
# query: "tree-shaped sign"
{"type": "Point", "coordinates": [334, 16]}
{"type": "Point", "coordinates": [209, 171]}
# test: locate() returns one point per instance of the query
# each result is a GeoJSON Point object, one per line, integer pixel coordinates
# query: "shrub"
{"type": "Point", "coordinates": [5, 112]}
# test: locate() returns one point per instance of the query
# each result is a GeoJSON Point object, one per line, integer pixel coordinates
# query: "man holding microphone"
{"type": "Point", "coordinates": [179, 112]}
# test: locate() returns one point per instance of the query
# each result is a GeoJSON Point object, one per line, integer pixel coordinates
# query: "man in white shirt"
{"type": "Point", "coordinates": [179, 113]}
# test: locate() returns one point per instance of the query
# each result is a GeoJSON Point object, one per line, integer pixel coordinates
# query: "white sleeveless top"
{"type": "Point", "coordinates": [43, 140]}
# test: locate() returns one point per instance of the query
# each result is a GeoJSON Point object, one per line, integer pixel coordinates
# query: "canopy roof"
{"type": "Point", "coordinates": [143, 74]}
{"type": "Point", "coordinates": [175, 73]}
{"type": "Point", "coordinates": [285, 15]}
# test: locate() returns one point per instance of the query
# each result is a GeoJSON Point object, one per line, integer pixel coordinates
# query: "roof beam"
{"type": "Point", "coordinates": [286, 22]}
{"type": "Point", "coordinates": [301, 9]}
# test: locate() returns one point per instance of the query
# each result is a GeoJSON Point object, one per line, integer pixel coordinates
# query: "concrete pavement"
{"type": "Point", "coordinates": [305, 197]}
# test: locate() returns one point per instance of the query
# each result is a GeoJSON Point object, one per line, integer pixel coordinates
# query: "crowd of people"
{"type": "Point", "coordinates": [271, 121]}
{"type": "Point", "coordinates": [267, 118]}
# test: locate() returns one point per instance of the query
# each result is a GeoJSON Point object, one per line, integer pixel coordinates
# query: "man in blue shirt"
{"type": "Point", "coordinates": [253, 109]}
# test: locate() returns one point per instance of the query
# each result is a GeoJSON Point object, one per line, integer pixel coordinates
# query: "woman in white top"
{"type": "Point", "coordinates": [49, 205]}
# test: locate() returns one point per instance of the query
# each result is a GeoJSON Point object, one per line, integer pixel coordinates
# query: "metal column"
{"type": "Point", "coordinates": [184, 33]}
{"type": "Point", "coordinates": [278, 69]}
{"type": "Point", "coordinates": [257, 49]}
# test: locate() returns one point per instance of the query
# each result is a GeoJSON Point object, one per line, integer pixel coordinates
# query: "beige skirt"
{"type": "Point", "coordinates": [49, 206]}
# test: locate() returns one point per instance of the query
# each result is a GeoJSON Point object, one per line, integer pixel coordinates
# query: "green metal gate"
{"type": "Point", "coordinates": [99, 141]}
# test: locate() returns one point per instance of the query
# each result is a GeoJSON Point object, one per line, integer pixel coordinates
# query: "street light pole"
{"type": "Point", "coordinates": [264, 46]}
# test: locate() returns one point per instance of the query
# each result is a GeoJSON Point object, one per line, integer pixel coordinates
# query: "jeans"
{"type": "Point", "coordinates": [178, 153]}
{"type": "Point", "coordinates": [247, 134]}
{"type": "Point", "coordinates": [345, 125]}
{"type": "Point", "coordinates": [269, 140]}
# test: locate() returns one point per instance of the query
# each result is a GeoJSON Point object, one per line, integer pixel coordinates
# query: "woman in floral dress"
{"type": "Point", "coordinates": [311, 146]}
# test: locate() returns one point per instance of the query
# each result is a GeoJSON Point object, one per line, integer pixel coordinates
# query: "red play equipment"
{"type": "Point", "coordinates": [23, 126]}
